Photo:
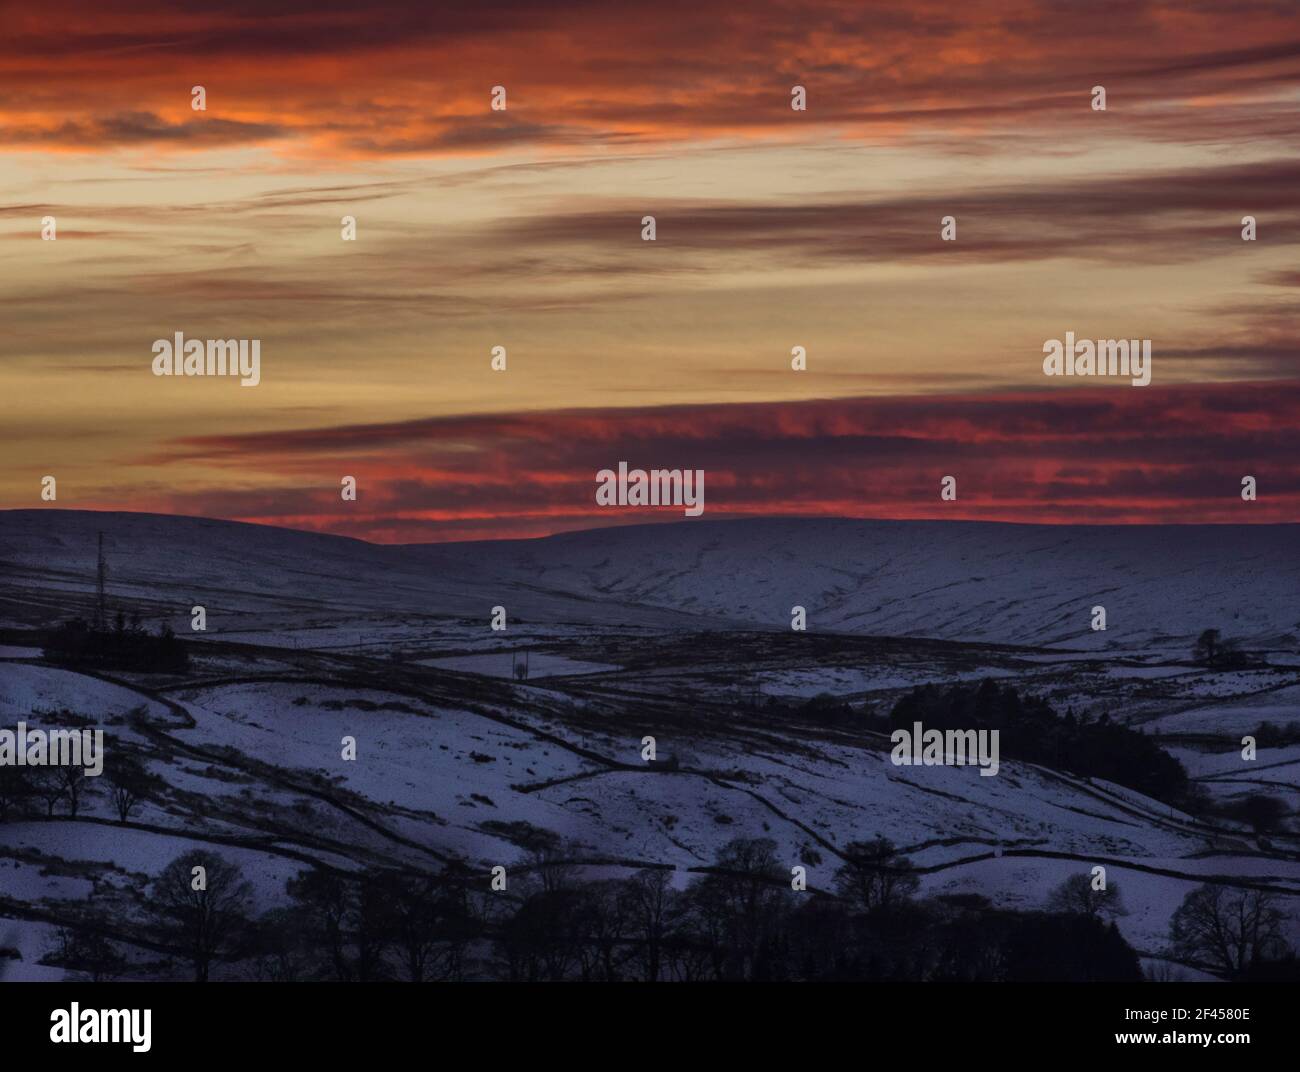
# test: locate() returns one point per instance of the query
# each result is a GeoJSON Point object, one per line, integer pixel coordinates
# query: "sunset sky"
{"type": "Point", "coordinates": [776, 229]}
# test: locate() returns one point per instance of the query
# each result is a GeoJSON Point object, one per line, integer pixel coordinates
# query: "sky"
{"type": "Point", "coordinates": [775, 228]}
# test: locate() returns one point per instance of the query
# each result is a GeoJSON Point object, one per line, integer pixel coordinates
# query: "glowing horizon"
{"type": "Point", "coordinates": [776, 229]}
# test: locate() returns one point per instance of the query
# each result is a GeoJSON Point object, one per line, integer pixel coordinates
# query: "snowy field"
{"type": "Point", "coordinates": [676, 632]}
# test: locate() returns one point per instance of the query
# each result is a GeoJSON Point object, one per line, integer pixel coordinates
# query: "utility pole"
{"type": "Point", "coordinates": [101, 605]}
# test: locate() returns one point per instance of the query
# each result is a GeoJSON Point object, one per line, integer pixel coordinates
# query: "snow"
{"type": "Point", "coordinates": [680, 632]}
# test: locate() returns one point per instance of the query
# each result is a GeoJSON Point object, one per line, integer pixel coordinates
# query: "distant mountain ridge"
{"type": "Point", "coordinates": [958, 580]}
{"type": "Point", "coordinates": [1031, 584]}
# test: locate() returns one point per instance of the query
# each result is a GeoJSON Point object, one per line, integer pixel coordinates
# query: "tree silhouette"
{"type": "Point", "coordinates": [76, 785]}
{"type": "Point", "coordinates": [1077, 896]}
{"type": "Point", "coordinates": [1206, 649]}
{"type": "Point", "coordinates": [80, 948]}
{"type": "Point", "coordinates": [47, 784]}
{"type": "Point", "coordinates": [737, 909]}
{"type": "Point", "coordinates": [649, 899]}
{"type": "Point", "coordinates": [130, 784]}
{"type": "Point", "coordinates": [324, 902]}
{"type": "Point", "coordinates": [203, 923]}
{"type": "Point", "coordinates": [15, 788]}
{"type": "Point", "coordinates": [876, 877]}
{"type": "Point", "coordinates": [1228, 929]}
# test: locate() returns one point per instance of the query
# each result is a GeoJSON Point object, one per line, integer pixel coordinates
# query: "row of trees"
{"type": "Point", "coordinates": [1029, 728]}
{"type": "Point", "coordinates": [46, 790]}
{"type": "Point", "coordinates": [740, 920]}
{"type": "Point", "coordinates": [126, 645]}
{"type": "Point", "coordinates": [1217, 652]}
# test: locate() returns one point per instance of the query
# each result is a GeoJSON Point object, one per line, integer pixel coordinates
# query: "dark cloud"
{"type": "Point", "coordinates": [1083, 455]}
{"type": "Point", "coordinates": [1165, 217]}
{"type": "Point", "coordinates": [136, 128]}
{"type": "Point", "coordinates": [642, 70]}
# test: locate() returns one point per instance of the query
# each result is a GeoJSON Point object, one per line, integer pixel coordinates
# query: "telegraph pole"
{"type": "Point", "coordinates": [101, 604]}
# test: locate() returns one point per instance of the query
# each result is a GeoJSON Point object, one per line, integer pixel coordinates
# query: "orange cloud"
{"type": "Point", "coordinates": [395, 78]}
{"type": "Point", "coordinates": [1108, 455]}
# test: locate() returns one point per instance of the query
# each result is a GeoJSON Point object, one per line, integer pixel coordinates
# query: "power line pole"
{"type": "Point", "coordinates": [101, 605]}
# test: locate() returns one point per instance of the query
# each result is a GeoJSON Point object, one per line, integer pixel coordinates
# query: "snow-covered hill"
{"type": "Point", "coordinates": [268, 577]}
{"type": "Point", "coordinates": [1018, 584]}
{"type": "Point", "coordinates": [1022, 584]}
{"type": "Point", "coordinates": [632, 632]}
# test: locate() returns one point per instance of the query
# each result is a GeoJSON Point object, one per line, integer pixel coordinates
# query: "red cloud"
{"type": "Point", "coordinates": [391, 78]}
{"type": "Point", "coordinates": [1108, 455]}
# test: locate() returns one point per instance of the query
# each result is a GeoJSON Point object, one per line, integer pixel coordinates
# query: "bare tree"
{"type": "Point", "coordinates": [47, 784]}
{"type": "Point", "coordinates": [131, 784]}
{"type": "Point", "coordinates": [1228, 929]}
{"type": "Point", "coordinates": [280, 947]}
{"type": "Point", "coordinates": [324, 901]}
{"type": "Point", "coordinates": [648, 897]}
{"type": "Point", "coordinates": [602, 922]}
{"type": "Point", "coordinates": [541, 940]}
{"type": "Point", "coordinates": [876, 875]}
{"type": "Point", "coordinates": [15, 788]}
{"type": "Point", "coordinates": [76, 785]}
{"type": "Point", "coordinates": [81, 948]}
{"type": "Point", "coordinates": [548, 860]}
{"type": "Point", "coordinates": [738, 907]}
{"type": "Point", "coordinates": [1206, 649]}
{"type": "Point", "coordinates": [1076, 896]}
{"type": "Point", "coordinates": [430, 922]}
{"type": "Point", "coordinates": [373, 927]}
{"type": "Point", "coordinates": [201, 911]}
